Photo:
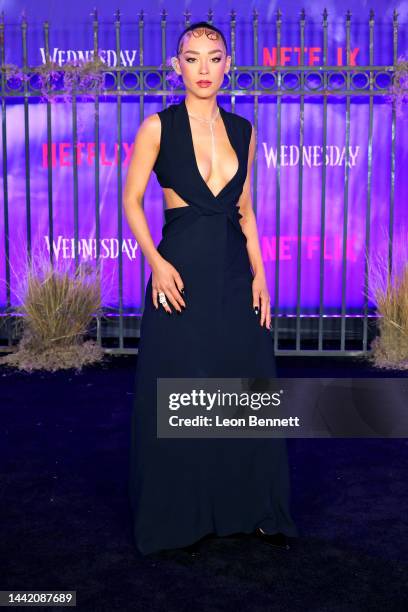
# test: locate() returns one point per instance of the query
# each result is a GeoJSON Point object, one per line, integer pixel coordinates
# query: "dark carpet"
{"type": "Point", "coordinates": [66, 523]}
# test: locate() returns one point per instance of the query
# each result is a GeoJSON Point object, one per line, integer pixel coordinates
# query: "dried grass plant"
{"type": "Point", "coordinates": [57, 307]}
{"type": "Point", "coordinates": [389, 350]}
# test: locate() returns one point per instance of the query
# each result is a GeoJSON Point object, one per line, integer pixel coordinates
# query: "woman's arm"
{"type": "Point", "coordinates": [145, 151]}
{"type": "Point", "coordinates": [260, 291]}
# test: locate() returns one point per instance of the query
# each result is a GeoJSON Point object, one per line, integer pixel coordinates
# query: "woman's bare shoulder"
{"type": "Point", "coordinates": [151, 126]}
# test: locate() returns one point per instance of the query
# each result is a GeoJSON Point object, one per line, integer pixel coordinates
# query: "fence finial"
{"type": "Point", "coordinates": [187, 15]}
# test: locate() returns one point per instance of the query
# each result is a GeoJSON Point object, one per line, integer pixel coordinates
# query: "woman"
{"type": "Point", "coordinates": [207, 314]}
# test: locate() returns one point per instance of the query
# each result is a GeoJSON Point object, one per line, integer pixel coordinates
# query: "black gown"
{"type": "Point", "coordinates": [182, 489]}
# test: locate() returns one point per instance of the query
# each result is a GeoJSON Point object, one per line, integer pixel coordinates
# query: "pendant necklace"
{"type": "Point", "coordinates": [211, 124]}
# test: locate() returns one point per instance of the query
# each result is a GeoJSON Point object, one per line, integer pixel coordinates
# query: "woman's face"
{"type": "Point", "coordinates": [202, 63]}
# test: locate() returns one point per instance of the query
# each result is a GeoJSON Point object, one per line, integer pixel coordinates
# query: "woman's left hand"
{"type": "Point", "coordinates": [261, 299]}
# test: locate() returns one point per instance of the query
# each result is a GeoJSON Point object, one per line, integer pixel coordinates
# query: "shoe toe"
{"type": "Point", "coordinates": [192, 550]}
{"type": "Point", "coordinates": [278, 540]}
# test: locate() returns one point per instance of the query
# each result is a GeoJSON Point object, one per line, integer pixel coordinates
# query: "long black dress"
{"type": "Point", "coordinates": [182, 489]}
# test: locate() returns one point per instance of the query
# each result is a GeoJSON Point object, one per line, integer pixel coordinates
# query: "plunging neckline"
{"type": "Point", "coordinates": [215, 196]}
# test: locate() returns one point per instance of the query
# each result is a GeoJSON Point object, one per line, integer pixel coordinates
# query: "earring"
{"type": "Point", "coordinates": [173, 62]}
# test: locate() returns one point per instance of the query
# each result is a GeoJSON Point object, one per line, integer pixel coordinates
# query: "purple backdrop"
{"type": "Point", "coordinates": [68, 41]}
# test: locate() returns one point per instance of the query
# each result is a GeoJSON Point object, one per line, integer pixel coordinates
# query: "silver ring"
{"type": "Point", "coordinates": [162, 298]}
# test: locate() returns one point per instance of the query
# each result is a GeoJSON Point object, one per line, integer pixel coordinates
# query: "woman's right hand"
{"type": "Point", "coordinates": [165, 278]}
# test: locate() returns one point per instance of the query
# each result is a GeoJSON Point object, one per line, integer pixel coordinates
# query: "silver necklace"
{"type": "Point", "coordinates": [210, 121]}
{"type": "Point", "coordinates": [211, 124]}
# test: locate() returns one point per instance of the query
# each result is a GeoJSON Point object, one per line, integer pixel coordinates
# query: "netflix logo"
{"type": "Point", "coordinates": [312, 56]}
{"type": "Point", "coordinates": [311, 247]}
{"type": "Point", "coordinates": [63, 154]}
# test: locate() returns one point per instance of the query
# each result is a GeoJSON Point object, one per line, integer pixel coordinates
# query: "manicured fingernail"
{"type": "Point", "coordinates": [256, 310]}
